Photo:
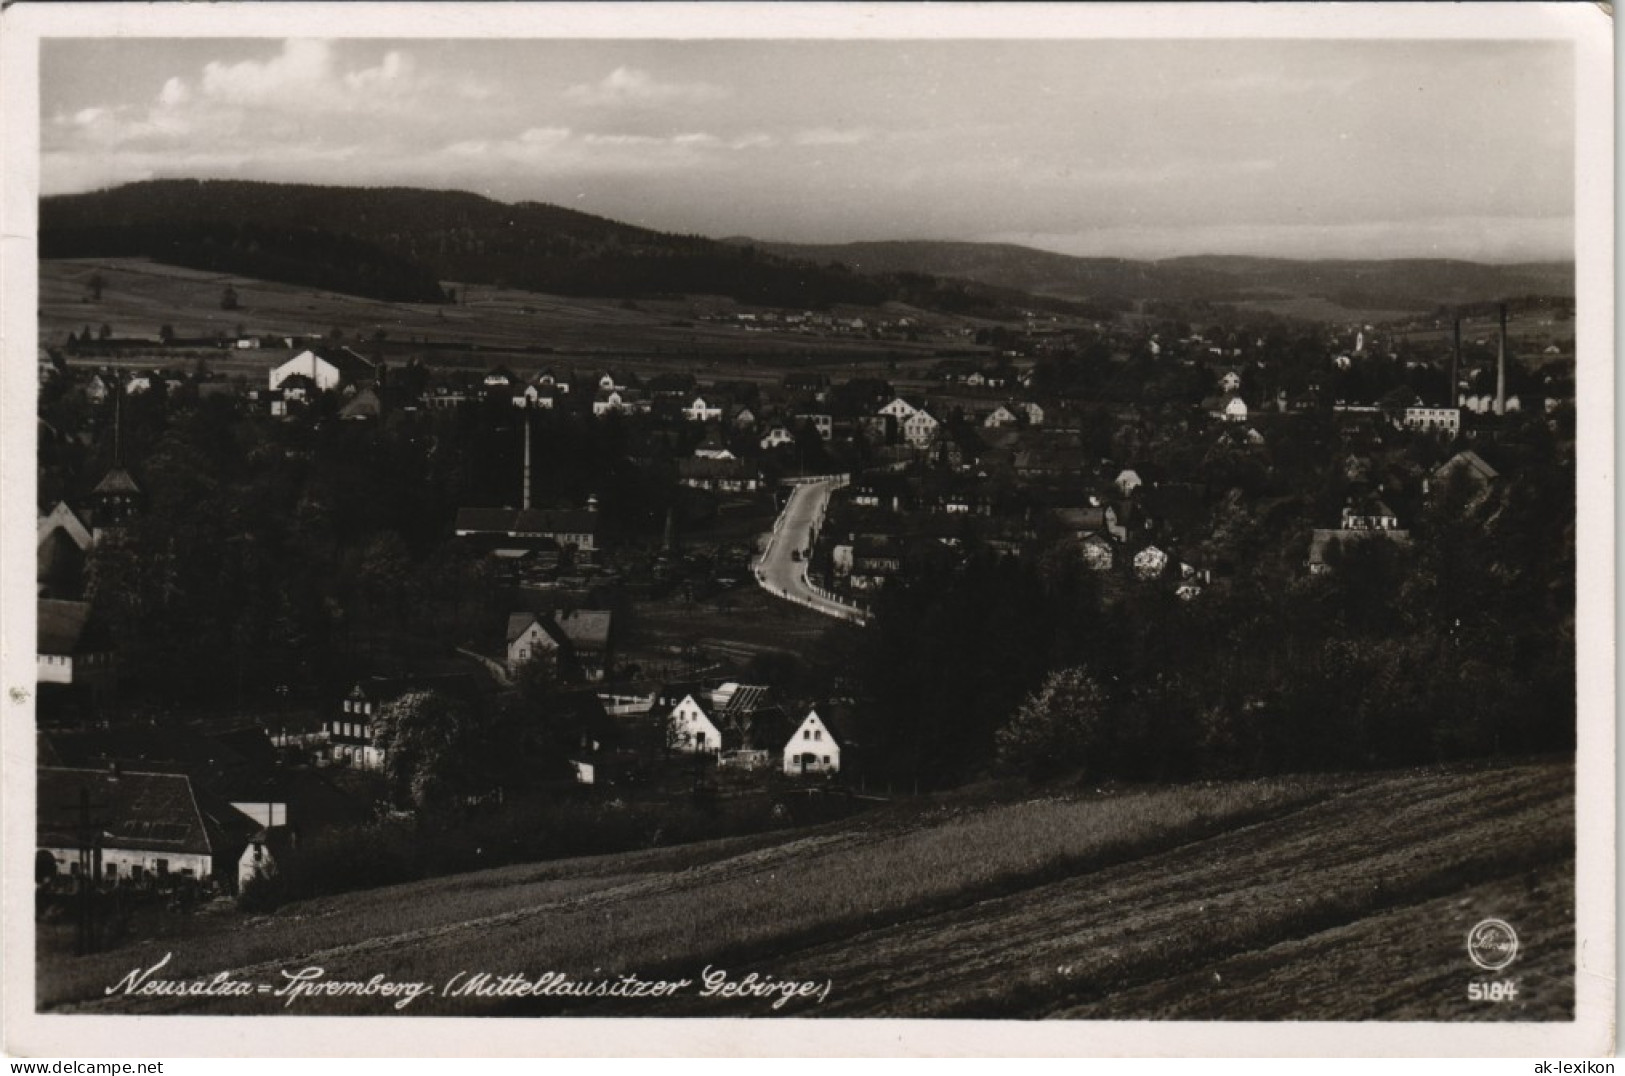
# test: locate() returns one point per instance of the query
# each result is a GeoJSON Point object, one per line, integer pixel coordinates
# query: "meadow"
{"type": "Point", "coordinates": [140, 296]}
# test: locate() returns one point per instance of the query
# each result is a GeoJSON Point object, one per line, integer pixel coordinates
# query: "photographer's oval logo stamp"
{"type": "Point", "coordinates": [1492, 944]}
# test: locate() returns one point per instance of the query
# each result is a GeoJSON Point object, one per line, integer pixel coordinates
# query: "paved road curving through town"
{"type": "Point", "coordinates": [780, 571]}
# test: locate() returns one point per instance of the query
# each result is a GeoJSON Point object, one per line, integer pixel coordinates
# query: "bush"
{"type": "Point", "coordinates": [261, 893]}
{"type": "Point", "coordinates": [1058, 728]}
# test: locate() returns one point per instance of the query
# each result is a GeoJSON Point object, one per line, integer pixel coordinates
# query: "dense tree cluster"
{"type": "Point", "coordinates": [274, 558]}
{"type": "Point", "coordinates": [1459, 644]}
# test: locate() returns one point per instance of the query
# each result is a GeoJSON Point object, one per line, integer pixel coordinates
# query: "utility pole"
{"type": "Point", "coordinates": [89, 879]}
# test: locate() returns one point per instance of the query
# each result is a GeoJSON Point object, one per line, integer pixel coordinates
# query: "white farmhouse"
{"type": "Point", "coordinates": [690, 730]}
{"type": "Point", "coordinates": [919, 428]}
{"type": "Point", "coordinates": [812, 748]}
{"type": "Point", "coordinates": [326, 371]}
{"type": "Point", "coordinates": [898, 409]}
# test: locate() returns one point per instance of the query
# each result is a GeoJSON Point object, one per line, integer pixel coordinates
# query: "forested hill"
{"type": "Point", "coordinates": [399, 243]}
{"type": "Point", "coordinates": [1399, 284]}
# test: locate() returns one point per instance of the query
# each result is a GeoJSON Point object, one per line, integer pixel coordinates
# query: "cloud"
{"type": "Point", "coordinates": [174, 93]}
{"type": "Point", "coordinates": [300, 103]}
{"type": "Point", "coordinates": [301, 67]}
{"type": "Point", "coordinates": [628, 86]}
{"type": "Point", "coordinates": [562, 151]}
{"type": "Point", "coordinates": [831, 136]}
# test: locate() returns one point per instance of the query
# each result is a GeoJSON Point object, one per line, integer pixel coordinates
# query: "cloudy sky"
{"type": "Point", "coordinates": [1140, 149]}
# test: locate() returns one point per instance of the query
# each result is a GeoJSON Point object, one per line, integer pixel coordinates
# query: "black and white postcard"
{"type": "Point", "coordinates": [1031, 528]}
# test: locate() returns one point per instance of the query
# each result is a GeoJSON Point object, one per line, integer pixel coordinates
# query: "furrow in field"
{"type": "Point", "coordinates": [449, 934]}
{"type": "Point", "coordinates": [1407, 963]}
{"type": "Point", "coordinates": [1100, 933]}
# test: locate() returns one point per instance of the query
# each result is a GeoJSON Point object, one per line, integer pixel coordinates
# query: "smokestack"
{"type": "Point", "coordinates": [1501, 366]}
{"type": "Point", "coordinates": [525, 502]}
{"type": "Point", "coordinates": [1455, 369]}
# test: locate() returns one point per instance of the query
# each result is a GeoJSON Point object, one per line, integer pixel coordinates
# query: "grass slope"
{"type": "Point", "coordinates": [1334, 897]}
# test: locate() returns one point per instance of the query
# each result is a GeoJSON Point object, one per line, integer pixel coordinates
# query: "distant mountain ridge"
{"type": "Point", "coordinates": [401, 243]}
{"type": "Point", "coordinates": [1407, 283]}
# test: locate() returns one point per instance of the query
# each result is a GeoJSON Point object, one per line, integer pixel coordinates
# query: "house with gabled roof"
{"type": "Point", "coordinates": [352, 732]}
{"type": "Point", "coordinates": [327, 369]}
{"type": "Point", "coordinates": [899, 409]}
{"type": "Point", "coordinates": [1004, 415]}
{"type": "Point", "coordinates": [63, 541]}
{"type": "Point", "coordinates": [579, 639]}
{"type": "Point", "coordinates": [812, 748]}
{"type": "Point", "coordinates": [1467, 462]}
{"type": "Point", "coordinates": [73, 652]}
{"type": "Point", "coordinates": [713, 448]}
{"type": "Point", "coordinates": [618, 401]}
{"type": "Point", "coordinates": [920, 428]}
{"type": "Point", "coordinates": [362, 406]}
{"type": "Point", "coordinates": [114, 500]}
{"type": "Point", "coordinates": [150, 826]}
{"type": "Point", "coordinates": [776, 436]}
{"type": "Point", "coordinates": [700, 409]}
{"type": "Point", "coordinates": [690, 729]}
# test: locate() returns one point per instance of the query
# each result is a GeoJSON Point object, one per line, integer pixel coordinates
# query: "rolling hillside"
{"type": "Point", "coordinates": [1414, 285]}
{"type": "Point", "coordinates": [1336, 898]}
{"type": "Point", "coordinates": [400, 244]}
{"type": "Point", "coordinates": [397, 244]}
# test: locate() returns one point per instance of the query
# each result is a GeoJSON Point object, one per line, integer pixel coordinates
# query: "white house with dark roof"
{"type": "Point", "coordinates": [579, 638]}
{"type": "Point", "coordinates": [699, 409]}
{"type": "Point", "coordinates": [898, 409]}
{"type": "Point", "coordinates": [62, 542]}
{"type": "Point", "coordinates": [152, 826]}
{"type": "Point", "coordinates": [70, 653]}
{"type": "Point", "coordinates": [812, 748]}
{"type": "Point", "coordinates": [327, 370]}
{"type": "Point", "coordinates": [690, 729]}
{"type": "Point", "coordinates": [1003, 415]}
{"type": "Point", "coordinates": [778, 435]}
{"type": "Point", "coordinates": [919, 428]}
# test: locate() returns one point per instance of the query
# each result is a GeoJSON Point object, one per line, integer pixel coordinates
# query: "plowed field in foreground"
{"type": "Point", "coordinates": [1329, 898]}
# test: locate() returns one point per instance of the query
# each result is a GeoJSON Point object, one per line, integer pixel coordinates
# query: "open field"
{"type": "Point", "coordinates": [140, 296]}
{"type": "Point", "coordinates": [735, 624]}
{"type": "Point", "coordinates": [1316, 308]}
{"type": "Point", "coordinates": [1344, 897]}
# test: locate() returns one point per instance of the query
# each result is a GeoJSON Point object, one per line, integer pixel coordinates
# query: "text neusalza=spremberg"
{"type": "Point", "coordinates": [311, 984]}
